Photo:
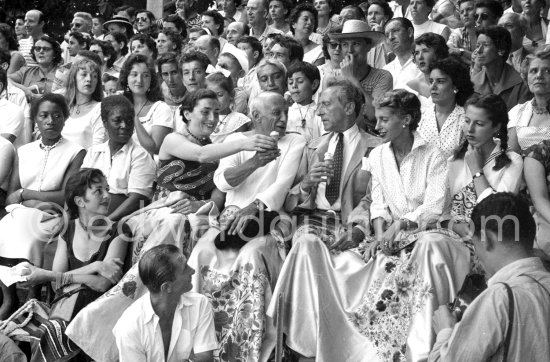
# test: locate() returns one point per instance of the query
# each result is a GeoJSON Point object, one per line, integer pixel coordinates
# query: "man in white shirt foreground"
{"type": "Point", "coordinates": [510, 320]}
{"type": "Point", "coordinates": [170, 323]}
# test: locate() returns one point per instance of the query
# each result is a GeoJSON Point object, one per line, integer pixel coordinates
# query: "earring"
{"type": "Point", "coordinates": [405, 126]}
{"type": "Point", "coordinates": [127, 88]}
{"type": "Point", "coordinates": [456, 91]}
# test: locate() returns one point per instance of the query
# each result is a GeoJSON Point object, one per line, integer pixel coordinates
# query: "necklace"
{"type": "Point", "coordinates": [77, 111]}
{"type": "Point", "coordinates": [202, 141]}
{"type": "Point", "coordinates": [141, 109]}
{"type": "Point", "coordinates": [47, 150]}
{"type": "Point", "coordinates": [221, 122]}
{"type": "Point", "coordinates": [537, 109]}
{"type": "Point", "coordinates": [301, 115]}
{"type": "Point", "coordinates": [84, 227]}
{"type": "Point", "coordinates": [172, 98]}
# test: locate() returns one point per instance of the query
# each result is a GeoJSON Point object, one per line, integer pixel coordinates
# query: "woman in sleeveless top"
{"type": "Point", "coordinates": [84, 93]}
{"type": "Point", "coordinates": [89, 253]}
{"type": "Point", "coordinates": [40, 173]}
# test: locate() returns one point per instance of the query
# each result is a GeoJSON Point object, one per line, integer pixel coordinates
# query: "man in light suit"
{"type": "Point", "coordinates": [343, 198]}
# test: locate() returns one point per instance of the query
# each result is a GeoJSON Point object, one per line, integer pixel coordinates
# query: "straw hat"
{"type": "Point", "coordinates": [359, 29]}
{"type": "Point", "coordinates": [123, 21]}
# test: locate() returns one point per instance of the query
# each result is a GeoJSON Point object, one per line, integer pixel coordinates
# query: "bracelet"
{"type": "Point", "coordinates": [407, 222]}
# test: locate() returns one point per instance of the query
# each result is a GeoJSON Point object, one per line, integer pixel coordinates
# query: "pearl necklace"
{"type": "Point", "coordinates": [47, 149]}
{"type": "Point", "coordinates": [537, 109]}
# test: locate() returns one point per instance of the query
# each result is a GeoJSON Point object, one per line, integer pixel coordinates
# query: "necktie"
{"type": "Point", "coordinates": [333, 189]}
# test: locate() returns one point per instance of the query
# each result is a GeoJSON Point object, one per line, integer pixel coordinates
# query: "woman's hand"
{"type": "Point", "coordinates": [373, 250]}
{"type": "Point", "coordinates": [183, 207]}
{"type": "Point", "coordinates": [388, 238]}
{"type": "Point", "coordinates": [111, 269]}
{"type": "Point", "coordinates": [474, 159]}
{"type": "Point", "coordinates": [34, 274]}
{"type": "Point", "coordinates": [259, 142]}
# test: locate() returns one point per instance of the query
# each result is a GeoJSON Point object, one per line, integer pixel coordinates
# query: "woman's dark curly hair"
{"type": "Point", "coordinates": [298, 10]}
{"type": "Point", "coordinates": [108, 51]}
{"type": "Point", "coordinates": [497, 113]}
{"type": "Point", "coordinates": [153, 94]}
{"type": "Point", "coordinates": [77, 185]}
{"type": "Point", "coordinates": [57, 58]}
{"type": "Point", "coordinates": [148, 41]}
{"type": "Point", "coordinates": [9, 34]}
{"type": "Point", "coordinates": [403, 103]}
{"type": "Point", "coordinates": [175, 38]}
{"type": "Point", "coordinates": [460, 76]}
{"type": "Point", "coordinates": [192, 98]}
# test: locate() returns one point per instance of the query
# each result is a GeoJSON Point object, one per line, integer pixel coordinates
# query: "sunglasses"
{"type": "Point", "coordinates": [482, 16]}
{"type": "Point", "coordinates": [142, 19]}
{"type": "Point", "coordinates": [40, 49]}
{"type": "Point", "coordinates": [334, 45]}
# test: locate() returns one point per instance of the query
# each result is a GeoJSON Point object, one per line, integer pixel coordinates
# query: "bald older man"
{"type": "Point", "coordinates": [517, 27]}
{"type": "Point", "coordinates": [210, 46]}
{"type": "Point", "coordinates": [255, 184]}
{"type": "Point", "coordinates": [236, 31]}
{"type": "Point", "coordinates": [34, 24]}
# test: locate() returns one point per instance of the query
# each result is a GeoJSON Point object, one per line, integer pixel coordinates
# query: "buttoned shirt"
{"type": "Point", "coordinates": [449, 137]}
{"type": "Point", "coordinates": [484, 324]}
{"type": "Point", "coordinates": [351, 140]}
{"type": "Point", "coordinates": [130, 169]}
{"type": "Point", "coordinates": [416, 191]}
{"type": "Point", "coordinates": [402, 73]}
{"type": "Point", "coordinates": [303, 120]}
{"type": "Point", "coordinates": [34, 76]}
{"type": "Point", "coordinates": [139, 337]}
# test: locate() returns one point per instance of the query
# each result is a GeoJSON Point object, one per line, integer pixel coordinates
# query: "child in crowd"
{"type": "Point", "coordinates": [303, 82]}
{"type": "Point", "coordinates": [237, 65]}
{"type": "Point", "coordinates": [230, 121]}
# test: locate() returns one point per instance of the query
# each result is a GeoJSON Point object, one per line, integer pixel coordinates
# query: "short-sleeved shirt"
{"type": "Point", "coordinates": [11, 119]}
{"type": "Point", "coordinates": [31, 76]}
{"type": "Point", "coordinates": [139, 337]}
{"type": "Point", "coordinates": [130, 169]}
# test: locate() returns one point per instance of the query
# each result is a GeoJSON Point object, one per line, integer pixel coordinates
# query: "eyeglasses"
{"type": "Point", "coordinates": [40, 49]}
{"type": "Point", "coordinates": [482, 16]}
{"type": "Point", "coordinates": [334, 45]}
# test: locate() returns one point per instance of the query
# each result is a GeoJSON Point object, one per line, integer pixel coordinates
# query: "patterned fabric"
{"type": "Point", "coordinates": [193, 177]}
{"type": "Point", "coordinates": [520, 116]}
{"type": "Point", "coordinates": [228, 124]}
{"type": "Point", "coordinates": [333, 189]}
{"type": "Point", "coordinates": [464, 202]}
{"type": "Point", "coordinates": [541, 153]}
{"type": "Point", "coordinates": [450, 137]}
{"type": "Point", "coordinates": [238, 305]}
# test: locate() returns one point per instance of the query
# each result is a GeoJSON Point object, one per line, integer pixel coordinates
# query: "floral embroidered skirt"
{"type": "Point", "coordinates": [339, 308]}
{"type": "Point", "coordinates": [239, 284]}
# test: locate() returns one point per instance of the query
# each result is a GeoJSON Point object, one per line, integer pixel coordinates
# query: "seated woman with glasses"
{"type": "Point", "coordinates": [38, 80]}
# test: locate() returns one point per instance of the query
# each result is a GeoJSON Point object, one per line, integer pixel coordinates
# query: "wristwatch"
{"type": "Point", "coordinates": [478, 174]}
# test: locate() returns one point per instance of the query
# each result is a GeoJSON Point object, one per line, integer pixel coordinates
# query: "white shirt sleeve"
{"type": "Point", "coordinates": [12, 123]}
{"type": "Point", "coordinates": [162, 116]}
{"type": "Point", "coordinates": [142, 173]}
{"type": "Point", "coordinates": [205, 334]}
{"type": "Point", "coordinates": [98, 131]}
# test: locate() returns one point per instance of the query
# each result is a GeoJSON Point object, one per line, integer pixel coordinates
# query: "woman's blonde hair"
{"type": "Point", "coordinates": [70, 93]}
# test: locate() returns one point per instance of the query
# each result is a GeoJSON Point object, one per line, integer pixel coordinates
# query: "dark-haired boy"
{"type": "Point", "coordinates": [303, 82]}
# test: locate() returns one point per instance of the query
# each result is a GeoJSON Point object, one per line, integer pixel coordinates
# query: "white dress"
{"type": "Point", "coordinates": [520, 116]}
{"type": "Point", "coordinates": [87, 129]}
{"type": "Point", "coordinates": [449, 138]}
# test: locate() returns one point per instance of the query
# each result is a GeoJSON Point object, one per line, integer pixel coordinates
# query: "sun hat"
{"type": "Point", "coordinates": [123, 21]}
{"type": "Point", "coordinates": [358, 29]}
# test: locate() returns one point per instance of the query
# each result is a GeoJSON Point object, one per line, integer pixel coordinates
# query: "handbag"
{"type": "Point", "coordinates": [70, 299]}
{"type": "Point", "coordinates": [24, 324]}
